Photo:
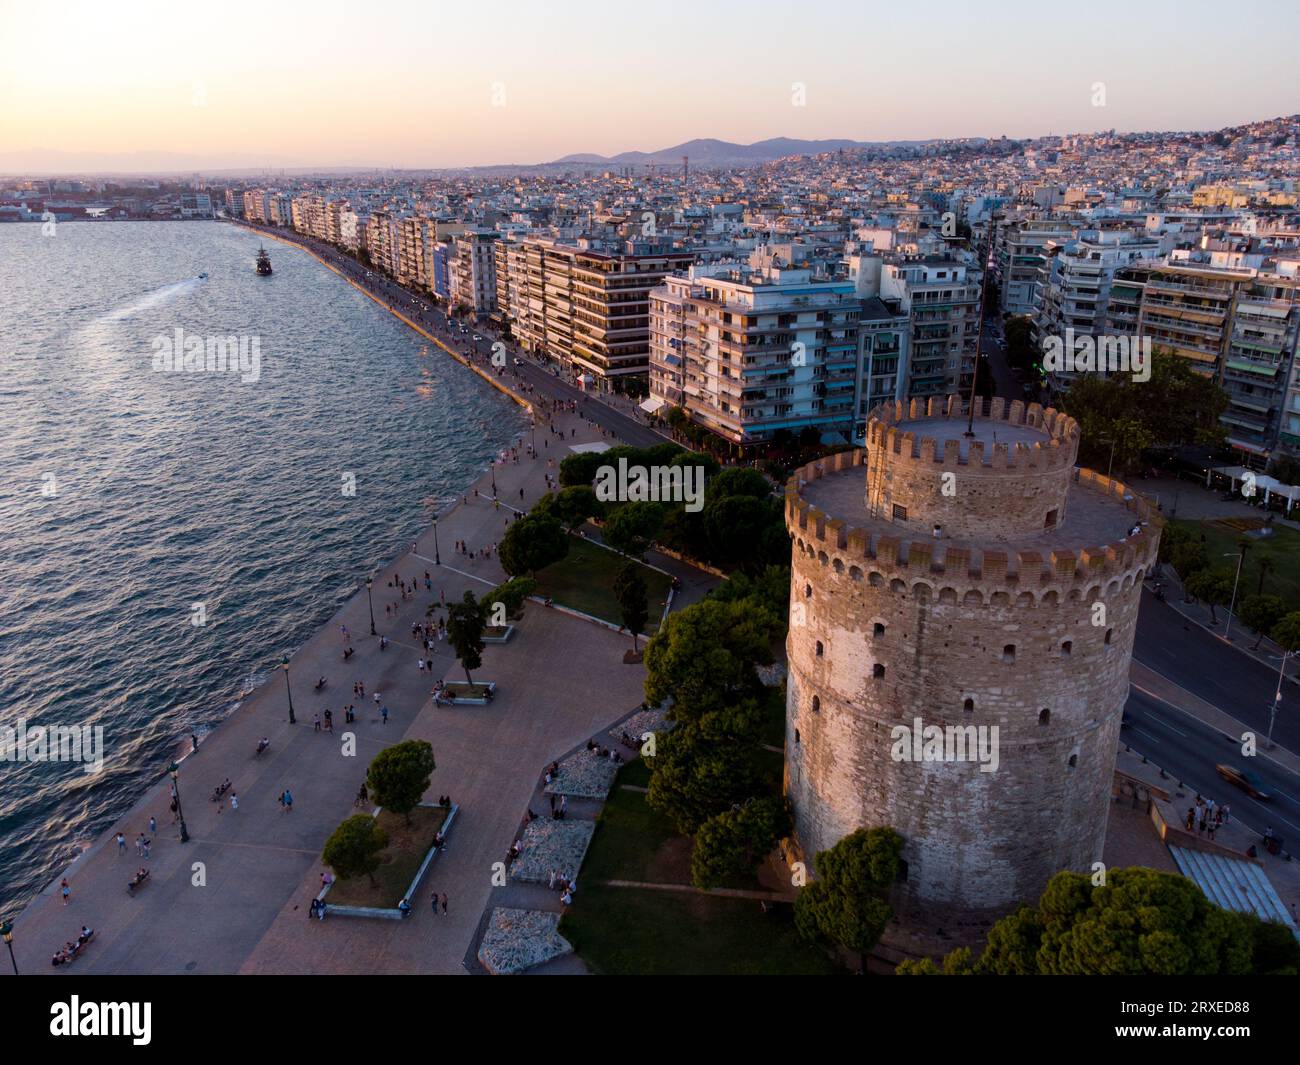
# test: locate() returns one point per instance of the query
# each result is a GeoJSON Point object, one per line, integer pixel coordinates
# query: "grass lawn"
{"type": "Point", "coordinates": [401, 859]}
{"type": "Point", "coordinates": [1283, 547]}
{"type": "Point", "coordinates": [631, 931]}
{"type": "Point", "coordinates": [584, 580]}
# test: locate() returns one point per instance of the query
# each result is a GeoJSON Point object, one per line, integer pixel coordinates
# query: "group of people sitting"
{"type": "Point", "coordinates": [605, 752]}
{"type": "Point", "coordinates": [71, 950]}
{"type": "Point", "coordinates": [317, 909]}
{"type": "Point", "coordinates": [221, 790]}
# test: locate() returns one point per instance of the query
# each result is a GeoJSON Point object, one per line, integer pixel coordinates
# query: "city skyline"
{"type": "Point", "coordinates": [129, 94]}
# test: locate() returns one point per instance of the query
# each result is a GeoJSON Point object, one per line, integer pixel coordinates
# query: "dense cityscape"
{"type": "Point", "coordinates": [795, 556]}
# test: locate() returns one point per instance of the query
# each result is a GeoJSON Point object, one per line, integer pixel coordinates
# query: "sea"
{"type": "Point", "coordinates": [167, 535]}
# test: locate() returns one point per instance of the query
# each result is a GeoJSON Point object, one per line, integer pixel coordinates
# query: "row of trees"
{"type": "Point", "coordinates": [1138, 922]}
{"type": "Point", "coordinates": [741, 523]}
{"type": "Point", "coordinates": [707, 774]}
{"type": "Point", "coordinates": [1262, 613]}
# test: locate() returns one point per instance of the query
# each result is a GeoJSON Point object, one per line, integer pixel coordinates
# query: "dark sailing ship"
{"type": "Point", "coordinates": [263, 262]}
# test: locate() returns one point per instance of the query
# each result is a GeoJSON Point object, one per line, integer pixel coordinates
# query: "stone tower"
{"type": "Point", "coordinates": [982, 591]}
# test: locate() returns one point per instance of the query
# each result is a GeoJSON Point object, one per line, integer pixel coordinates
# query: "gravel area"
{"type": "Point", "coordinates": [584, 775]}
{"type": "Point", "coordinates": [653, 720]}
{"type": "Point", "coordinates": [516, 940]}
{"type": "Point", "coordinates": [552, 845]}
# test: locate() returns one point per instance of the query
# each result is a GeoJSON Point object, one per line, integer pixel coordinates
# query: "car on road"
{"type": "Point", "coordinates": [1245, 780]}
{"type": "Point", "coordinates": [477, 338]}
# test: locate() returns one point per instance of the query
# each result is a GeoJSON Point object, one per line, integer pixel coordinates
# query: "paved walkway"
{"type": "Point", "coordinates": [235, 897]}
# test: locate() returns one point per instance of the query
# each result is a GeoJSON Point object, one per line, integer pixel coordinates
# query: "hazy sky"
{"type": "Point", "coordinates": [398, 83]}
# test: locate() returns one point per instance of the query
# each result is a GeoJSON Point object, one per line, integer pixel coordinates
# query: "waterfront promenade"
{"type": "Point", "coordinates": [234, 898]}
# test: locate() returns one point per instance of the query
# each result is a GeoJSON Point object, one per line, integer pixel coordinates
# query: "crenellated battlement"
{"type": "Point", "coordinates": [910, 557]}
{"type": "Point", "coordinates": [948, 448]}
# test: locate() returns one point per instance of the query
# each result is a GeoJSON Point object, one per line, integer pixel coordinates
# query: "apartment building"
{"type": "Point", "coordinates": [586, 305]}
{"type": "Point", "coordinates": [384, 241]}
{"type": "Point", "coordinates": [1076, 282]}
{"type": "Point", "coordinates": [1019, 252]}
{"type": "Point", "coordinates": [472, 273]}
{"type": "Point", "coordinates": [1259, 367]}
{"type": "Point", "coordinates": [751, 349]}
{"type": "Point", "coordinates": [1187, 308]}
{"type": "Point", "coordinates": [941, 298]}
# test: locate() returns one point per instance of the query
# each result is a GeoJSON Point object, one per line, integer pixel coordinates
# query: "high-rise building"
{"type": "Point", "coordinates": [751, 349]}
{"type": "Point", "coordinates": [586, 305]}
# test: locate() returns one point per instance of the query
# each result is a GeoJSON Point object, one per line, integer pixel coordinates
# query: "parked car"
{"type": "Point", "coordinates": [1245, 780]}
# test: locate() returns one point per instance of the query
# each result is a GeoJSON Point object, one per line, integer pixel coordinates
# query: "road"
{"type": "Point", "coordinates": [1188, 750]}
{"type": "Point", "coordinates": [1215, 671]}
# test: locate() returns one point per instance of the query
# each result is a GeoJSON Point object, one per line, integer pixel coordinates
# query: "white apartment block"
{"type": "Point", "coordinates": [751, 349]}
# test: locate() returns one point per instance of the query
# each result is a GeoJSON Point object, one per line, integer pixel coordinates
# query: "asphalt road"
{"type": "Point", "coordinates": [1216, 671]}
{"type": "Point", "coordinates": [1188, 750]}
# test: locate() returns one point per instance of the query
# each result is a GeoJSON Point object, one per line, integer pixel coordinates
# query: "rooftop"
{"type": "Point", "coordinates": [1093, 519]}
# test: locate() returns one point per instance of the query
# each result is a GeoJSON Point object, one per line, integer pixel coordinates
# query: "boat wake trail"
{"type": "Point", "coordinates": [152, 299]}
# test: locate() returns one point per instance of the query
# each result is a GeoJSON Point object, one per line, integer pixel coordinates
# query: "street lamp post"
{"type": "Point", "coordinates": [1277, 697]}
{"type": "Point", "coordinates": [370, 599]}
{"type": "Point", "coordinates": [494, 477]}
{"type": "Point", "coordinates": [7, 932]}
{"type": "Point", "coordinates": [437, 555]}
{"type": "Point", "coordinates": [285, 665]}
{"type": "Point", "coordinates": [175, 771]}
{"type": "Point", "coordinates": [1227, 632]}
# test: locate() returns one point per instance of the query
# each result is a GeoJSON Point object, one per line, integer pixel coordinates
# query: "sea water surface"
{"type": "Point", "coordinates": [131, 497]}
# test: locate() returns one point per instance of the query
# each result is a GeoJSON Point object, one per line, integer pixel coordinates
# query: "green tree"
{"type": "Point", "coordinates": [960, 962]}
{"type": "Point", "coordinates": [733, 842]}
{"type": "Point", "coordinates": [1261, 613]}
{"type": "Point", "coordinates": [767, 591]}
{"type": "Point", "coordinates": [1286, 633]}
{"type": "Point", "coordinates": [630, 591]}
{"type": "Point", "coordinates": [1109, 408]}
{"type": "Point", "coordinates": [738, 530]}
{"type": "Point", "coordinates": [399, 776]}
{"type": "Point", "coordinates": [1140, 922]}
{"type": "Point", "coordinates": [465, 624]}
{"type": "Point", "coordinates": [1212, 587]}
{"type": "Point", "coordinates": [353, 848]}
{"type": "Point", "coordinates": [570, 506]}
{"type": "Point", "coordinates": [532, 543]}
{"type": "Point", "coordinates": [1189, 557]}
{"type": "Point", "coordinates": [512, 595]}
{"type": "Point", "coordinates": [1265, 563]}
{"type": "Point", "coordinates": [707, 765]}
{"type": "Point", "coordinates": [846, 903]}
{"type": "Point", "coordinates": [676, 417]}
{"type": "Point", "coordinates": [632, 527]}
{"type": "Point", "coordinates": [738, 481]}
{"type": "Point", "coordinates": [704, 657]}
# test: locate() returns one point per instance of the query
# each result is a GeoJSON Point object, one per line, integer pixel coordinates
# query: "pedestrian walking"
{"type": "Point", "coordinates": [121, 843]}
{"type": "Point", "coordinates": [433, 901]}
{"type": "Point", "coordinates": [383, 713]}
{"type": "Point", "coordinates": [444, 904]}
{"type": "Point", "coordinates": [315, 722]}
{"type": "Point", "coordinates": [65, 890]}
{"type": "Point", "coordinates": [234, 802]}
{"type": "Point", "coordinates": [288, 801]}
{"type": "Point", "coordinates": [139, 843]}
{"type": "Point", "coordinates": [376, 698]}
{"type": "Point", "coordinates": [144, 847]}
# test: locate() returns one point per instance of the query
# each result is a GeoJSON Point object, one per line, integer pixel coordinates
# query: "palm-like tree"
{"type": "Point", "coordinates": [1265, 563]}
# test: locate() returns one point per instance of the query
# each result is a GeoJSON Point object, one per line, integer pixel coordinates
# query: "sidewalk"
{"type": "Point", "coordinates": [235, 897]}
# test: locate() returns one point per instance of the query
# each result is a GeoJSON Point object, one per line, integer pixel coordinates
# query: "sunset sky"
{"type": "Point", "coordinates": [393, 83]}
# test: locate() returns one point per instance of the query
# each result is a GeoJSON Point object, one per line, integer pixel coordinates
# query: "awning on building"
{"type": "Point", "coordinates": [651, 405]}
